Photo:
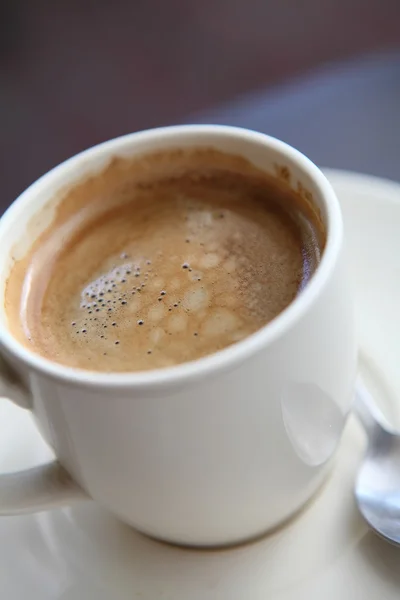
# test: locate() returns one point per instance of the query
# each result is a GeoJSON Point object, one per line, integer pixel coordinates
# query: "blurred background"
{"type": "Point", "coordinates": [323, 75]}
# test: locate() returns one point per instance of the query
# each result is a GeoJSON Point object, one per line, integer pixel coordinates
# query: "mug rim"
{"type": "Point", "coordinates": [230, 356]}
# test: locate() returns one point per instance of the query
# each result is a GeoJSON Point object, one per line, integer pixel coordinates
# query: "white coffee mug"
{"type": "Point", "coordinates": [209, 452]}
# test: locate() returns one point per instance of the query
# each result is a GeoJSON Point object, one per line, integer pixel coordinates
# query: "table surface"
{"type": "Point", "coordinates": [346, 116]}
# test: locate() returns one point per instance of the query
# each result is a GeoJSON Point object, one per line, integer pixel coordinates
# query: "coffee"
{"type": "Point", "coordinates": [161, 260]}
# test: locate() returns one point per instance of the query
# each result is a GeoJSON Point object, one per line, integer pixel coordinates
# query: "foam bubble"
{"type": "Point", "coordinates": [157, 335]}
{"type": "Point", "coordinates": [156, 313]}
{"type": "Point", "coordinates": [230, 265]}
{"type": "Point", "coordinates": [177, 323]}
{"type": "Point", "coordinates": [135, 303]}
{"type": "Point", "coordinates": [241, 334]}
{"type": "Point", "coordinates": [156, 284]}
{"type": "Point", "coordinates": [195, 275]}
{"type": "Point", "coordinates": [195, 299]}
{"type": "Point", "coordinates": [219, 322]}
{"type": "Point", "coordinates": [210, 261]}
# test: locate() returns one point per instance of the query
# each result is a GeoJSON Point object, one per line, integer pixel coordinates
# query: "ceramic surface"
{"type": "Point", "coordinates": [326, 551]}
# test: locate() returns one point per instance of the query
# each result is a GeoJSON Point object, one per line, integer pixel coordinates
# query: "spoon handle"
{"type": "Point", "coordinates": [366, 410]}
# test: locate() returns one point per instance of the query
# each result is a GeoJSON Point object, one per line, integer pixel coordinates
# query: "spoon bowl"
{"type": "Point", "coordinates": [377, 488]}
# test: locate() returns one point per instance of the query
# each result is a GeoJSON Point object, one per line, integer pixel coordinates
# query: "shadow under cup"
{"type": "Point", "coordinates": [218, 450]}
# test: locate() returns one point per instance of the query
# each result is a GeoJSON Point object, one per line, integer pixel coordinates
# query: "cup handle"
{"type": "Point", "coordinates": [38, 488]}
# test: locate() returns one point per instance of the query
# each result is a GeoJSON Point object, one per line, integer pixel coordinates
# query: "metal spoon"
{"type": "Point", "coordinates": [377, 487]}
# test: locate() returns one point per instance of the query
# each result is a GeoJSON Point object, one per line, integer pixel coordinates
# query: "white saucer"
{"type": "Point", "coordinates": [326, 552]}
